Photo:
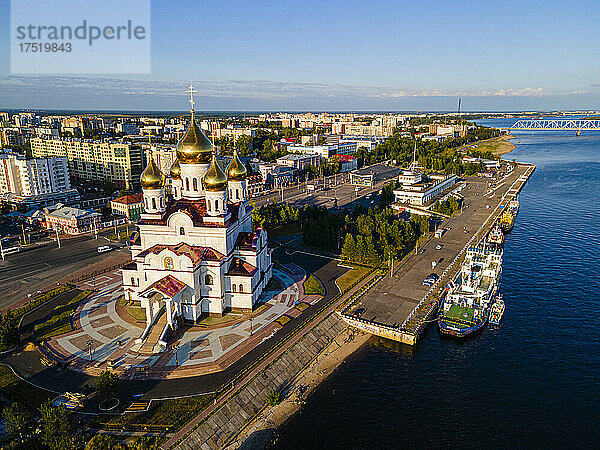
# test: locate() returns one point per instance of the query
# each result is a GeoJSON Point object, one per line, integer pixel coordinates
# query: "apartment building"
{"type": "Point", "coordinates": [97, 161]}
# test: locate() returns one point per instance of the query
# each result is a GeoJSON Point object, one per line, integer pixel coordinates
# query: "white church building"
{"type": "Point", "coordinates": [196, 253]}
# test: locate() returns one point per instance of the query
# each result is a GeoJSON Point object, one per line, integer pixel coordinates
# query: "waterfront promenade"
{"type": "Point", "coordinates": [399, 306]}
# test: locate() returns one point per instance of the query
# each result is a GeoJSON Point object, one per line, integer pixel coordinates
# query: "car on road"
{"type": "Point", "coordinates": [430, 279]}
{"type": "Point", "coordinates": [438, 247]}
{"type": "Point", "coordinates": [421, 251]}
{"type": "Point", "coordinates": [104, 248]}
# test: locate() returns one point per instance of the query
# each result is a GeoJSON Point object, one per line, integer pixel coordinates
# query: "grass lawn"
{"type": "Point", "coordinates": [313, 285]}
{"type": "Point", "coordinates": [219, 320]}
{"type": "Point", "coordinates": [302, 306]}
{"type": "Point", "coordinates": [175, 412]}
{"type": "Point", "coordinates": [137, 313]}
{"type": "Point", "coordinates": [13, 388]}
{"type": "Point", "coordinates": [59, 320]}
{"type": "Point", "coordinates": [350, 277]}
{"type": "Point", "coordinates": [283, 320]}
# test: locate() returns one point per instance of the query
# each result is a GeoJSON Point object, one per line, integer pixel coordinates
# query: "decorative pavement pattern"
{"type": "Point", "coordinates": [104, 332]}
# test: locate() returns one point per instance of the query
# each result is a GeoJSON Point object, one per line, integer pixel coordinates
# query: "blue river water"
{"type": "Point", "coordinates": [532, 382]}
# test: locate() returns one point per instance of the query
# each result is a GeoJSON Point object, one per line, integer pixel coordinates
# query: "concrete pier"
{"type": "Point", "coordinates": [399, 307]}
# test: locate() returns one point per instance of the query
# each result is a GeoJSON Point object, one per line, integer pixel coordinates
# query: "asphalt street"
{"type": "Point", "coordinates": [40, 265]}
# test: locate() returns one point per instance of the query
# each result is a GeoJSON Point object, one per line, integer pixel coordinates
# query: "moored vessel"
{"type": "Point", "coordinates": [466, 306]}
{"type": "Point", "coordinates": [497, 310]}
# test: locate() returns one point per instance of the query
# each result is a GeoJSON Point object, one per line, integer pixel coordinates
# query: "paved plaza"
{"type": "Point", "coordinates": [104, 331]}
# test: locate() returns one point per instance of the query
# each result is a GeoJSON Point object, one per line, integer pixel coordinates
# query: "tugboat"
{"type": "Point", "coordinates": [497, 310]}
{"type": "Point", "coordinates": [507, 219]}
{"type": "Point", "coordinates": [466, 307]}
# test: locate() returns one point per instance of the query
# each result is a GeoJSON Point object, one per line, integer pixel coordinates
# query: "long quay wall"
{"type": "Point", "coordinates": [224, 425]}
{"type": "Point", "coordinates": [424, 312]}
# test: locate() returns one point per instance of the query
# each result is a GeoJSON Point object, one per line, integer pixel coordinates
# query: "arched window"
{"type": "Point", "coordinates": [153, 203]}
{"type": "Point", "coordinates": [187, 184]}
{"type": "Point", "coordinates": [234, 287]}
{"type": "Point", "coordinates": [181, 231]}
{"type": "Point", "coordinates": [146, 203]}
{"type": "Point", "coordinates": [195, 183]}
{"type": "Point", "coordinates": [207, 204]}
{"type": "Point", "coordinates": [216, 205]}
{"type": "Point", "coordinates": [168, 263]}
{"type": "Point", "coordinates": [241, 287]}
{"type": "Point", "coordinates": [237, 194]}
{"type": "Point", "coordinates": [132, 281]}
{"type": "Point", "coordinates": [208, 279]}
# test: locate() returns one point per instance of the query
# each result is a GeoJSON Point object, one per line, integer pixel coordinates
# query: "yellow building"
{"type": "Point", "coordinates": [113, 162]}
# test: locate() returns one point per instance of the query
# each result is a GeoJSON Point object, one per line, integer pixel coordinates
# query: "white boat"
{"type": "Point", "coordinates": [497, 310]}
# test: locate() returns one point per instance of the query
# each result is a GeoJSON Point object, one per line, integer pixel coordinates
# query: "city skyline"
{"type": "Point", "coordinates": [341, 56]}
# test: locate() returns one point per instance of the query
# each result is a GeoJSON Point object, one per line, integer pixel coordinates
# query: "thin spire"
{"type": "Point", "coordinates": [191, 90]}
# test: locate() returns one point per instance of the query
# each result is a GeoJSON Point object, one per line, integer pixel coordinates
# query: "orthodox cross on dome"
{"type": "Point", "coordinates": [191, 90]}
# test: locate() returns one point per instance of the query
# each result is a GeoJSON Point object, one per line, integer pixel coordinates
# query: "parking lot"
{"type": "Point", "coordinates": [394, 298]}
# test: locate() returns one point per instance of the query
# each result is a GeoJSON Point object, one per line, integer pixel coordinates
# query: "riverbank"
{"type": "Point", "coordinates": [499, 146]}
{"type": "Point", "coordinates": [262, 430]}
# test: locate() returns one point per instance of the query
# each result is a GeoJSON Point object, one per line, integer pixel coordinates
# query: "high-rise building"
{"type": "Point", "coordinates": [99, 161]}
{"type": "Point", "coordinates": [35, 180]}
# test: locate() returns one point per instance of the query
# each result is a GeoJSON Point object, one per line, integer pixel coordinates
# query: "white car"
{"type": "Point", "coordinates": [438, 247]}
{"type": "Point", "coordinates": [104, 248]}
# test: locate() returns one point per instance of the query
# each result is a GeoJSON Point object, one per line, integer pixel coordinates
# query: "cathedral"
{"type": "Point", "coordinates": [196, 253]}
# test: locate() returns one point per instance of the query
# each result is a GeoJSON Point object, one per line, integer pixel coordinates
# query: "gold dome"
{"type": "Point", "coordinates": [194, 146]}
{"type": "Point", "coordinates": [152, 177]}
{"type": "Point", "coordinates": [176, 170]}
{"type": "Point", "coordinates": [214, 179]}
{"type": "Point", "coordinates": [236, 171]}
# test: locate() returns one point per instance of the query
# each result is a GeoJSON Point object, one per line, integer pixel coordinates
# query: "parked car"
{"type": "Point", "coordinates": [430, 279]}
{"type": "Point", "coordinates": [438, 247]}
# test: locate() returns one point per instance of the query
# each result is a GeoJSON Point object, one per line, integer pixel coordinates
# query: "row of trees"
{"type": "Point", "coordinates": [56, 428]}
{"type": "Point", "coordinates": [367, 236]}
{"type": "Point", "coordinates": [448, 206]}
{"type": "Point", "coordinates": [376, 235]}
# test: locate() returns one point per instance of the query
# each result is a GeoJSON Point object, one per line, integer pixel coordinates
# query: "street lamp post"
{"type": "Point", "coordinates": [1, 249]}
{"type": "Point", "coordinates": [57, 238]}
{"type": "Point", "coordinates": [90, 345]}
{"type": "Point", "coordinates": [250, 326]}
{"type": "Point", "coordinates": [176, 348]}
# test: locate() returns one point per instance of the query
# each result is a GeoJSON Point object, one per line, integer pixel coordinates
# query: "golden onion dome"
{"type": "Point", "coordinates": [194, 147]}
{"type": "Point", "coordinates": [236, 171]}
{"type": "Point", "coordinates": [214, 179]}
{"type": "Point", "coordinates": [152, 177]}
{"type": "Point", "coordinates": [176, 170]}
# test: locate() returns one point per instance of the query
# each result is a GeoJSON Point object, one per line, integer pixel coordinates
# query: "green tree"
{"type": "Point", "coordinates": [19, 421]}
{"type": "Point", "coordinates": [56, 427]}
{"type": "Point", "coordinates": [107, 385]}
{"type": "Point", "coordinates": [274, 398]}
{"type": "Point", "coordinates": [9, 330]}
{"type": "Point", "coordinates": [105, 442]}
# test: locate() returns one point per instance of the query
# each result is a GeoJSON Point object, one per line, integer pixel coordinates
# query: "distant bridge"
{"type": "Point", "coordinates": [577, 125]}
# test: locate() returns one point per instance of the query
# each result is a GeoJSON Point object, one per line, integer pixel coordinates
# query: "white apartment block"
{"type": "Point", "coordinates": [33, 177]}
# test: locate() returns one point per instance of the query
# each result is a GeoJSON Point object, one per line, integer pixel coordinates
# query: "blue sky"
{"type": "Point", "coordinates": [343, 55]}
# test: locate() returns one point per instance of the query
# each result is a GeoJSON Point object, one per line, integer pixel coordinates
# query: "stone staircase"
{"type": "Point", "coordinates": [154, 335]}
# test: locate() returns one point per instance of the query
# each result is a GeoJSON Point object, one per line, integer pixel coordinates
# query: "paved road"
{"type": "Point", "coordinates": [43, 264]}
{"type": "Point", "coordinates": [393, 299]}
{"type": "Point", "coordinates": [333, 187]}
